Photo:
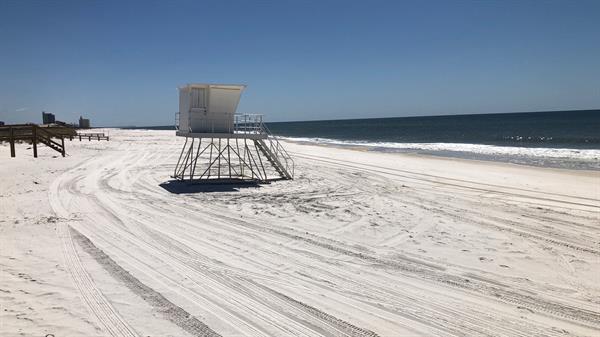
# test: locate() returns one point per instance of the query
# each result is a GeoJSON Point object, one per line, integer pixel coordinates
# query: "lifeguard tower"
{"type": "Point", "coordinates": [222, 146]}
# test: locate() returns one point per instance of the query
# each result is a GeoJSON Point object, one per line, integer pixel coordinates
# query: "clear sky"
{"type": "Point", "coordinates": [120, 62]}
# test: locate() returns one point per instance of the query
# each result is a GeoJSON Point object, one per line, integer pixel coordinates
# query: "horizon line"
{"type": "Point", "coordinates": [348, 119]}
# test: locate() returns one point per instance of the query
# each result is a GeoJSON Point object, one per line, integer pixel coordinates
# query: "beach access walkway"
{"type": "Point", "coordinates": [53, 137]}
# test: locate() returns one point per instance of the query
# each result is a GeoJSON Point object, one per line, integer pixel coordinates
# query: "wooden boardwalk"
{"type": "Point", "coordinates": [53, 137]}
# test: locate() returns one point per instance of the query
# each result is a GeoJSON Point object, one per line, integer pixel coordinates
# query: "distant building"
{"type": "Point", "coordinates": [47, 118]}
{"type": "Point", "coordinates": [1, 123]}
{"type": "Point", "coordinates": [84, 123]}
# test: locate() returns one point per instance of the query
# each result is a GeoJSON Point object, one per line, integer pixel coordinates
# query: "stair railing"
{"type": "Point", "coordinates": [278, 150]}
{"type": "Point", "coordinates": [46, 136]}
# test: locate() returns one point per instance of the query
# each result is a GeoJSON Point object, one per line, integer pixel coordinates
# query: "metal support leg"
{"type": "Point", "coordinates": [229, 158]}
{"type": "Point", "coordinates": [180, 155]}
{"type": "Point", "coordinates": [191, 160]}
{"type": "Point", "coordinates": [196, 158]}
{"type": "Point", "coordinates": [260, 160]}
{"type": "Point", "coordinates": [237, 145]}
{"type": "Point", "coordinates": [219, 159]}
{"type": "Point", "coordinates": [210, 157]}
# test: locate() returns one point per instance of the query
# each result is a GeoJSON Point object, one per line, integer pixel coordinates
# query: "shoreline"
{"type": "Point", "coordinates": [556, 157]}
{"type": "Point", "coordinates": [538, 160]}
{"type": "Point", "coordinates": [546, 162]}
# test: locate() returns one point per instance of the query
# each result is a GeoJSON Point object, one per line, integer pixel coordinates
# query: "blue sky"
{"type": "Point", "coordinates": [120, 62]}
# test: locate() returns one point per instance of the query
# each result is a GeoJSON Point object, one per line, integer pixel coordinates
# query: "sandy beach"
{"type": "Point", "coordinates": [359, 244]}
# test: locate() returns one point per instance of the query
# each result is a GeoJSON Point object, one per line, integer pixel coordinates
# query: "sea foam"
{"type": "Point", "coordinates": [492, 150]}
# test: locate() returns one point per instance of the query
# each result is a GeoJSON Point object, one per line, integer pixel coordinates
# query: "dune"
{"type": "Point", "coordinates": [360, 243]}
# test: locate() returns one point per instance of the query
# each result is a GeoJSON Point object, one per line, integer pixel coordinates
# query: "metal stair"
{"type": "Point", "coordinates": [272, 158]}
{"type": "Point", "coordinates": [275, 153]}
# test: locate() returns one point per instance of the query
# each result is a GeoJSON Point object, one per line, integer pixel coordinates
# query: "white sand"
{"type": "Point", "coordinates": [360, 243]}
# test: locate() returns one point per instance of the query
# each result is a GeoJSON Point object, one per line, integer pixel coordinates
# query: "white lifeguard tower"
{"type": "Point", "coordinates": [222, 146]}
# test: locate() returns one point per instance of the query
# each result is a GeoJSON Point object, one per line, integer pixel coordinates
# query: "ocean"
{"type": "Point", "coordinates": [561, 139]}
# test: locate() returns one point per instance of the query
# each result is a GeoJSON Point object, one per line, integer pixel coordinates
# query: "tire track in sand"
{"type": "Point", "coordinates": [169, 310]}
{"type": "Point", "coordinates": [106, 315]}
{"type": "Point", "coordinates": [428, 272]}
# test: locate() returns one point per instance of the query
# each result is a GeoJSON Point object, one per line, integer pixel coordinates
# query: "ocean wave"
{"type": "Point", "coordinates": [536, 152]}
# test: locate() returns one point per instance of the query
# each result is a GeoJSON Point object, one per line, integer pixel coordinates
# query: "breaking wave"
{"type": "Point", "coordinates": [481, 149]}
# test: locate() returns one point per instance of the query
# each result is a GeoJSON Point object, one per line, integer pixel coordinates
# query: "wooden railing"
{"type": "Point", "coordinates": [34, 134]}
{"type": "Point", "coordinates": [93, 135]}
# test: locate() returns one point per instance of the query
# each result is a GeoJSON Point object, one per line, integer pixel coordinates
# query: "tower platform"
{"type": "Point", "coordinates": [222, 135]}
